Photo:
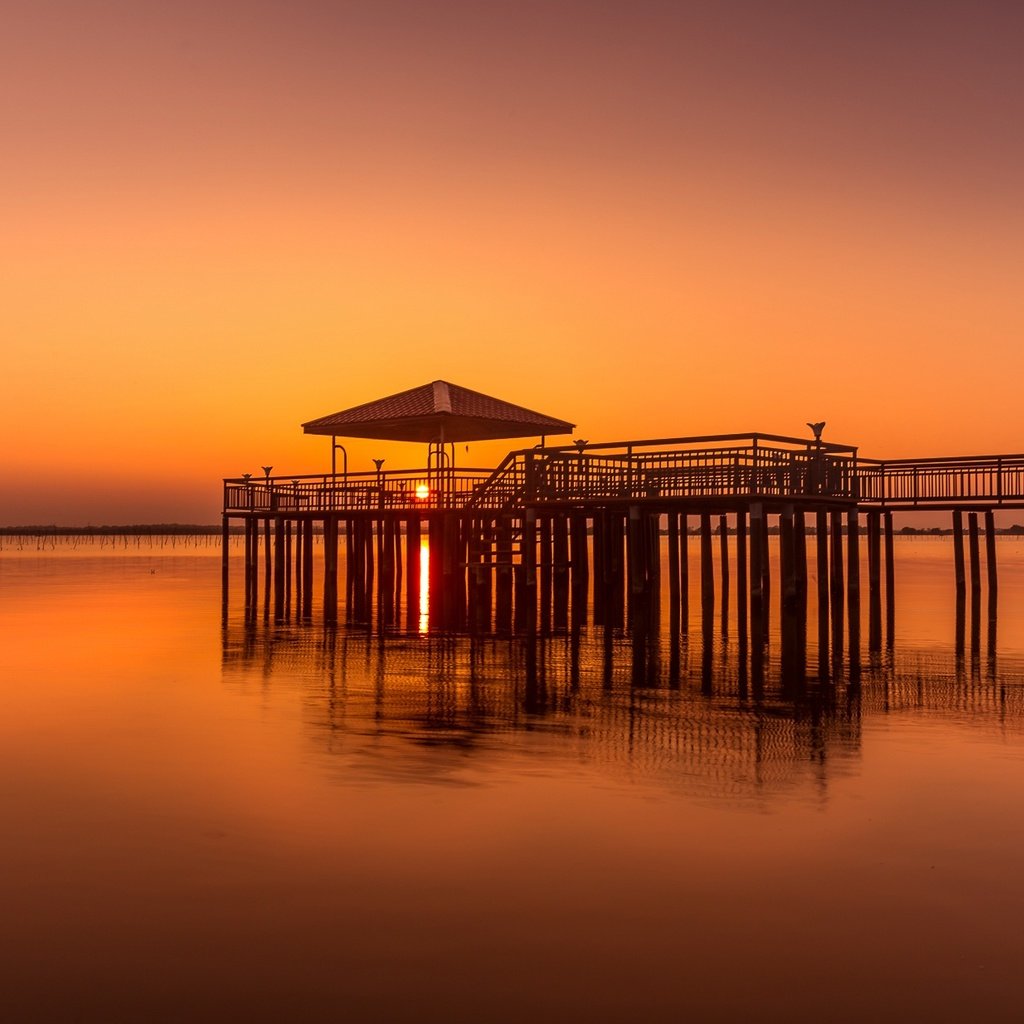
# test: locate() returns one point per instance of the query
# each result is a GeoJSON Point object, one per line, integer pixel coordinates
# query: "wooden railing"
{"type": "Point", "coordinates": [979, 480]}
{"type": "Point", "coordinates": [396, 490]}
{"type": "Point", "coordinates": [725, 466]}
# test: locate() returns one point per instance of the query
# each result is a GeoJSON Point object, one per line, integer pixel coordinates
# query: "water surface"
{"type": "Point", "coordinates": [214, 822]}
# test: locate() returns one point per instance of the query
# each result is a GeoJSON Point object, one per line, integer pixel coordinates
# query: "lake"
{"type": "Point", "coordinates": [210, 820]}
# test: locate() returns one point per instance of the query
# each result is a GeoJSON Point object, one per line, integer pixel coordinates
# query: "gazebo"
{"type": "Point", "coordinates": [438, 414]}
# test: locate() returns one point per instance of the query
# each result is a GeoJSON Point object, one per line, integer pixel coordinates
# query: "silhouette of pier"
{"type": "Point", "coordinates": [561, 537]}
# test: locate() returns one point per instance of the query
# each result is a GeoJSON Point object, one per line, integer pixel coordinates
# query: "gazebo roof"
{"type": "Point", "coordinates": [434, 412]}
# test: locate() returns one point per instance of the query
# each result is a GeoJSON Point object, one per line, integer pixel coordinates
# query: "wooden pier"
{"type": "Point", "coordinates": [559, 538]}
{"type": "Point", "coordinates": [563, 537]}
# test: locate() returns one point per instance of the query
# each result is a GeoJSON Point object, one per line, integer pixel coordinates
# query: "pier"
{"type": "Point", "coordinates": [561, 537]}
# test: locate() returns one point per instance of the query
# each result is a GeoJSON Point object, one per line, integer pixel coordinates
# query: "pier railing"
{"type": "Point", "coordinates": [980, 480]}
{"type": "Point", "coordinates": [712, 467]}
{"type": "Point", "coordinates": [396, 490]}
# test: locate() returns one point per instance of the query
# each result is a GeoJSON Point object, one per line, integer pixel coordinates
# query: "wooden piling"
{"type": "Point", "coordinates": [307, 568]}
{"type": "Point", "coordinates": [756, 576]}
{"type": "Point", "coordinates": [600, 567]}
{"type": "Point", "coordinates": [741, 576]}
{"type": "Point", "coordinates": [529, 563]}
{"type": "Point", "coordinates": [673, 573]}
{"type": "Point", "coordinates": [790, 611]}
{"type": "Point", "coordinates": [268, 571]}
{"type": "Point", "coordinates": [821, 571]}
{"type": "Point", "coordinates": [225, 551]}
{"type": "Point", "coordinates": [838, 589]}
{"type": "Point", "coordinates": [975, 553]}
{"type": "Point", "coordinates": [560, 570]}
{"type": "Point", "coordinates": [874, 581]}
{"type": "Point", "coordinates": [723, 560]}
{"type": "Point", "coordinates": [287, 569]}
{"type": "Point", "coordinates": [853, 583]}
{"type": "Point", "coordinates": [414, 582]}
{"type": "Point", "coordinates": [330, 569]}
{"type": "Point", "coordinates": [579, 556]}
{"type": "Point", "coordinates": [890, 582]}
{"type": "Point", "coordinates": [960, 577]}
{"type": "Point", "coordinates": [279, 564]}
{"type": "Point", "coordinates": [707, 572]}
{"type": "Point", "coordinates": [684, 573]}
{"type": "Point", "coordinates": [503, 576]}
{"type": "Point", "coordinates": [544, 590]}
{"type": "Point", "coordinates": [766, 577]}
{"type": "Point", "coordinates": [992, 571]}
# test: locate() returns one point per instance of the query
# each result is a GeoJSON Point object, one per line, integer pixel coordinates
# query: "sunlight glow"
{"type": "Point", "coordinates": [422, 492]}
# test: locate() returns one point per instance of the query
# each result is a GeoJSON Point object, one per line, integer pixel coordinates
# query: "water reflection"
{"type": "Point", "coordinates": [693, 721]}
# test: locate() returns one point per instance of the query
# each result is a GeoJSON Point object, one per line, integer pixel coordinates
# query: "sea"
{"type": "Point", "coordinates": [212, 819]}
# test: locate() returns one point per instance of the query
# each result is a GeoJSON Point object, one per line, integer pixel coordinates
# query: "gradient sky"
{"type": "Point", "coordinates": [649, 218]}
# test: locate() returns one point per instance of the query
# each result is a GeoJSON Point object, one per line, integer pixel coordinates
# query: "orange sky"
{"type": "Point", "coordinates": [649, 218]}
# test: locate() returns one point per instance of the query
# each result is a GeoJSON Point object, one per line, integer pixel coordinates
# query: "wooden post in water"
{"type": "Point", "coordinates": [225, 539]}
{"type": "Point", "coordinates": [741, 577]}
{"type": "Point", "coordinates": [890, 583]}
{"type": "Point", "coordinates": [387, 571]}
{"type": "Point", "coordinates": [790, 613]}
{"type": "Point", "coordinates": [288, 569]}
{"type": "Point", "coordinates": [874, 582]}
{"type": "Point", "coordinates": [800, 560]}
{"type": "Point", "coordinates": [279, 564]}
{"type": "Point", "coordinates": [993, 585]}
{"type": "Point", "coordinates": [990, 559]}
{"type": "Point", "coordinates": [307, 569]}
{"type": "Point", "coordinates": [757, 627]}
{"type": "Point", "coordinates": [821, 570]}
{"type": "Point", "coordinates": [600, 566]}
{"type": "Point", "coordinates": [529, 564]}
{"type": "Point", "coordinates": [853, 583]}
{"type": "Point", "coordinates": [756, 576]}
{"type": "Point", "coordinates": [503, 574]}
{"type": "Point", "coordinates": [838, 588]}
{"type": "Point", "coordinates": [960, 579]}
{"type": "Point", "coordinates": [298, 568]}
{"type": "Point", "coordinates": [723, 550]}
{"type": "Point", "coordinates": [958, 553]}
{"type": "Point", "coordinates": [560, 570]}
{"type": "Point", "coordinates": [766, 577]}
{"type": "Point", "coordinates": [579, 557]}
{"type": "Point", "coordinates": [635, 554]}
{"type": "Point", "coordinates": [413, 582]}
{"type": "Point", "coordinates": [972, 532]}
{"type": "Point", "coordinates": [673, 574]}
{"type": "Point", "coordinates": [616, 612]}
{"type": "Point", "coordinates": [330, 569]}
{"type": "Point", "coordinates": [544, 530]}
{"type": "Point", "coordinates": [707, 574]}
{"type": "Point", "coordinates": [684, 573]}
{"type": "Point", "coordinates": [267, 567]}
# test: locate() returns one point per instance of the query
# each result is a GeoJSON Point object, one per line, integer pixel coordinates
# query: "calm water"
{"type": "Point", "coordinates": [207, 823]}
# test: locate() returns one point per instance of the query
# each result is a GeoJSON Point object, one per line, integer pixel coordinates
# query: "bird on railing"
{"type": "Point", "coordinates": [817, 428]}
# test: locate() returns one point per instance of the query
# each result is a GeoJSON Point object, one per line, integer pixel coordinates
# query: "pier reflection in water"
{"type": "Point", "coordinates": [714, 734]}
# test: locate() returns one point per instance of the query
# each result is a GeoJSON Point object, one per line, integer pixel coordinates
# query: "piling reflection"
{"type": "Point", "coordinates": [695, 719]}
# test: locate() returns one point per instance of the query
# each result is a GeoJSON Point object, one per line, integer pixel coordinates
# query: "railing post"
{"type": "Point", "coordinates": [530, 478]}
{"type": "Point", "coordinates": [999, 479]}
